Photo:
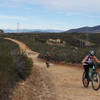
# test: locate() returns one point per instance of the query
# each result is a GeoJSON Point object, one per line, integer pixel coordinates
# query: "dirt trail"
{"type": "Point", "coordinates": [67, 79]}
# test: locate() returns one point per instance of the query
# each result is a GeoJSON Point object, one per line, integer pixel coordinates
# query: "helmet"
{"type": "Point", "coordinates": [91, 52]}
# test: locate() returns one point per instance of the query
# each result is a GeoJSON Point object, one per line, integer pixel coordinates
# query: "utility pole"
{"type": "Point", "coordinates": [81, 43]}
{"type": "Point", "coordinates": [87, 37]}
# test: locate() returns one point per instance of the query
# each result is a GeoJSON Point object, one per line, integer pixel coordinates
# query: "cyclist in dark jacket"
{"type": "Point", "coordinates": [47, 58]}
{"type": "Point", "coordinates": [88, 62]}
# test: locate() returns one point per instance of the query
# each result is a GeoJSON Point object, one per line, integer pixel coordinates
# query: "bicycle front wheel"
{"type": "Point", "coordinates": [85, 80]}
{"type": "Point", "coordinates": [95, 81]}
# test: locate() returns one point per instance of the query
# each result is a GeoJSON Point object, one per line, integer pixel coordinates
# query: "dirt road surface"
{"type": "Point", "coordinates": [66, 79]}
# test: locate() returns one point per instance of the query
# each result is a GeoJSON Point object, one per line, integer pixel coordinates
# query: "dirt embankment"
{"type": "Point", "coordinates": [39, 86]}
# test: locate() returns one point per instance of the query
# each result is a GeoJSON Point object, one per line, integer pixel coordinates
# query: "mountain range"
{"type": "Point", "coordinates": [95, 29]}
{"type": "Point", "coordinates": [31, 30]}
{"type": "Point", "coordinates": [87, 29]}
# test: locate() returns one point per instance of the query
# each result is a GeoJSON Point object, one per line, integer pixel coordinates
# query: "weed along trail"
{"type": "Point", "coordinates": [64, 81]}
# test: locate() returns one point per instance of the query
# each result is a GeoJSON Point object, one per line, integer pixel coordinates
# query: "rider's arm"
{"type": "Point", "coordinates": [95, 58]}
{"type": "Point", "coordinates": [85, 59]}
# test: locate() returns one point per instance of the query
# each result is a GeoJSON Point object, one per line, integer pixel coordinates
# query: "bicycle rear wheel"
{"type": "Point", "coordinates": [95, 81]}
{"type": "Point", "coordinates": [85, 80]}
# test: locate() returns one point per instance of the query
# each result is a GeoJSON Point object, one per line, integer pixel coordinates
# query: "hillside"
{"type": "Point", "coordinates": [95, 29]}
{"type": "Point", "coordinates": [76, 45]}
{"type": "Point", "coordinates": [12, 67]}
{"type": "Point", "coordinates": [64, 79]}
{"type": "Point", "coordinates": [39, 85]}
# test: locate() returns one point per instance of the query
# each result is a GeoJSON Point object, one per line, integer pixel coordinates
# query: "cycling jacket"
{"type": "Point", "coordinates": [89, 61]}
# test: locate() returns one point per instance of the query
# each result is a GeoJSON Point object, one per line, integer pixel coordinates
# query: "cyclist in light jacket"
{"type": "Point", "coordinates": [88, 62]}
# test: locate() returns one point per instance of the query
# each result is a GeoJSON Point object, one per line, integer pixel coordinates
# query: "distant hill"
{"type": "Point", "coordinates": [31, 30]}
{"type": "Point", "coordinates": [95, 29]}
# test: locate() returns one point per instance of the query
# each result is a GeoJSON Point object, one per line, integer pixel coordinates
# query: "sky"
{"type": "Point", "coordinates": [49, 14]}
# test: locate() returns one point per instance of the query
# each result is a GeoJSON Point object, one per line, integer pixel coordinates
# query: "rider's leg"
{"type": "Point", "coordinates": [86, 68]}
{"type": "Point", "coordinates": [47, 64]}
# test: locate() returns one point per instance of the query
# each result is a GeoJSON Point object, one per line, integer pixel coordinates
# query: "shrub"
{"type": "Point", "coordinates": [26, 69]}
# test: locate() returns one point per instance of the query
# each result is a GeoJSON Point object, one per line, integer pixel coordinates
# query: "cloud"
{"type": "Point", "coordinates": [67, 5]}
{"type": "Point", "coordinates": [12, 17]}
{"type": "Point", "coordinates": [9, 3]}
{"type": "Point", "coordinates": [72, 5]}
{"type": "Point", "coordinates": [69, 14]}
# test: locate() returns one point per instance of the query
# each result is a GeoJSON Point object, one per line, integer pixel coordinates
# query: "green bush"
{"type": "Point", "coordinates": [26, 70]}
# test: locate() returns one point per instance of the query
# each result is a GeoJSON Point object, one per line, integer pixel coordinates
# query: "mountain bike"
{"type": "Point", "coordinates": [94, 78]}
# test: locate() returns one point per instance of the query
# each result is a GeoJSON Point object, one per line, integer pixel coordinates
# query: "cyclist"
{"type": "Point", "coordinates": [88, 62]}
{"type": "Point", "coordinates": [47, 57]}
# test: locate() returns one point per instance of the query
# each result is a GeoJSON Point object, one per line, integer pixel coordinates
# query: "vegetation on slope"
{"type": "Point", "coordinates": [73, 51]}
{"type": "Point", "coordinates": [13, 67]}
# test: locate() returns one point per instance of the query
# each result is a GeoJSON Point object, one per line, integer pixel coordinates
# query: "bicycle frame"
{"type": "Point", "coordinates": [91, 72]}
